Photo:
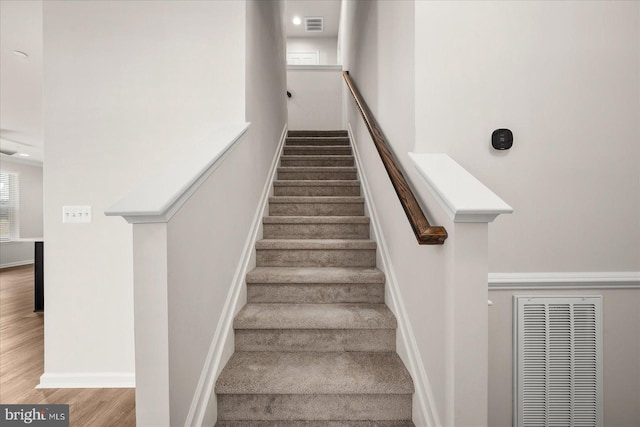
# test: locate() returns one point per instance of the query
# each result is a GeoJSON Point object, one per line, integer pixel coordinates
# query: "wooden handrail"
{"type": "Point", "coordinates": [426, 234]}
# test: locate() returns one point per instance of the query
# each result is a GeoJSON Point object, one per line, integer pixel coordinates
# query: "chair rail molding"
{"type": "Point", "coordinates": [565, 280]}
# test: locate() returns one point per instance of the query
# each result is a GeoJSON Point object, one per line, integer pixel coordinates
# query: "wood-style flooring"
{"type": "Point", "coordinates": [22, 362]}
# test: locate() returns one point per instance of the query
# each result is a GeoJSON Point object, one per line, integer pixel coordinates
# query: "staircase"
{"type": "Point", "coordinates": [315, 344]}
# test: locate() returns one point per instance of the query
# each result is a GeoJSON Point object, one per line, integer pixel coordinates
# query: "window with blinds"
{"type": "Point", "coordinates": [558, 361]}
{"type": "Point", "coordinates": [9, 206]}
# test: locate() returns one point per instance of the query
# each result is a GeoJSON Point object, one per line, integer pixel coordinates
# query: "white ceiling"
{"type": "Point", "coordinates": [21, 78]}
{"type": "Point", "coordinates": [328, 9]}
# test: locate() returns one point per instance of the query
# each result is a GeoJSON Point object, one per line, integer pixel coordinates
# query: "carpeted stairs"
{"type": "Point", "coordinates": [315, 344]}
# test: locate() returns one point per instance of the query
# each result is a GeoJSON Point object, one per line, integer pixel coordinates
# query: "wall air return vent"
{"type": "Point", "coordinates": [558, 361]}
{"type": "Point", "coordinates": [313, 24]}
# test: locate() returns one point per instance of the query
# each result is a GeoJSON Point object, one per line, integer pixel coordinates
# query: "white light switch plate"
{"type": "Point", "coordinates": [76, 214]}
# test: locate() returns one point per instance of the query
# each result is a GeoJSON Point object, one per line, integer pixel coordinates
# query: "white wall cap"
{"type": "Point", "coordinates": [463, 197]}
{"type": "Point", "coordinates": [159, 197]}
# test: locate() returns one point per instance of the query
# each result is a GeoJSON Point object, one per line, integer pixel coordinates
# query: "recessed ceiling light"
{"type": "Point", "coordinates": [21, 54]}
{"type": "Point", "coordinates": [297, 20]}
{"type": "Point", "coordinates": [24, 154]}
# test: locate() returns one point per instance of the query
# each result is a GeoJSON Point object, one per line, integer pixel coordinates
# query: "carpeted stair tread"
{"type": "Point", "coordinates": [317, 140]}
{"type": "Point", "coordinates": [315, 244]}
{"type": "Point", "coordinates": [316, 199]}
{"type": "Point", "coordinates": [294, 373]}
{"type": "Point", "coordinates": [315, 316]}
{"type": "Point", "coordinates": [316, 220]}
{"type": "Point", "coordinates": [317, 161]}
{"type": "Point", "coordinates": [306, 132]}
{"type": "Point", "coordinates": [315, 344]}
{"type": "Point", "coordinates": [317, 157]}
{"type": "Point", "coordinates": [316, 227]}
{"type": "Point", "coordinates": [316, 183]}
{"type": "Point", "coordinates": [317, 172]}
{"type": "Point", "coordinates": [317, 169]}
{"type": "Point", "coordinates": [315, 275]}
{"type": "Point", "coordinates": [316, 188]}
{"type": "Point", "coordinates": [281, 423]}
{"type": "Point", "coordinates": [317, 149]}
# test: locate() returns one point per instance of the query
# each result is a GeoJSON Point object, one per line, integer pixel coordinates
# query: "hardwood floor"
{"type": "Point", "coordinates": [22, 362]}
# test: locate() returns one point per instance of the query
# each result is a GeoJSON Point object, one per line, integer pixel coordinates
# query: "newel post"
{"type": "Point", "coordinates": [151, 313]}
{"type": "Point", "coordinates": [470, 206]}
{"type": "Point", "coordinates": [467, 331]}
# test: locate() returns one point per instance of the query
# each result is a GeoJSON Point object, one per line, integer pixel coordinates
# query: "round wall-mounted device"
{"type": "Point", "coordinates": [502, 139]}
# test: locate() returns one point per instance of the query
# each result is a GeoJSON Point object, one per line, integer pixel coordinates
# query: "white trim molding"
{"type": "Point", "coordinates": [581, 280]}
{"type": "Point", "coordinates": [87, 380]}
{"type": "Point", "coordinates": [222, 341]}
{"type": "Point", "coordinates": [160, 197]}
{"type": "Point", "coordinates": [314, 67]}
{"type": "Point", "coordinates": [463, 196]}
{"type": "Point", "coordinates": [423, 392]}
{"type": "Point", "coordinates": [17, 263]}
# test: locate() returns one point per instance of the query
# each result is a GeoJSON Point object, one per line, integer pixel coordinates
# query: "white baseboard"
{"type": "Point", "coordinates": [87, 380]}
{"type": "Point", "coordinates": [17, 263]}
{"type": "Point", "coordinates": [568, 280]}
{"type": "Point", "coordinates": [407, 344]}
{"type": "Point", "coordinates": [204, 396]}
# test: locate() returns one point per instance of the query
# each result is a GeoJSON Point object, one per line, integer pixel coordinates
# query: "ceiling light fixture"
{"type": "Point", "coordinates": [297, 20]}
{"type": "Point", "coordinates": [24, 155]}
{"type": "Point", "coordinates": [21, 54]}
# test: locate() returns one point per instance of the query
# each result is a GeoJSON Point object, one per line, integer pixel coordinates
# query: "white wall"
{"type": "Point", "coordinates": [316, 101]}
{"type": "Point", "coordinates": [207, 236]}
{"type": "Point", "coordinates": [374, 36]}
{"type": "Point", "coordinates": [30, 181]}
{"type": "Point", "coordinates": [564, 77]}
{"type": "Point", "coordinates": [325, 46]}
{"type": "Point", "coordinates": [126, 84]}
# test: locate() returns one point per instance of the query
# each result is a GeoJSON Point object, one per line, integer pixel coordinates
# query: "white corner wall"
{"type": "Point", "coordinates": [327, 47]}
{"type": "Point", "coordinates": [316, 101]}
{"type": "Point", "coordinates": [565, 78]}
{"type": "Point", "coordinates": [125, 85]}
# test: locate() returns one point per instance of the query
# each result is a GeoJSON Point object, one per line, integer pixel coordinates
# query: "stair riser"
{"type": "Point", "coordinates": [316, 142]}
{"type": "Point", "coordinates": [291, 141]}
{"type": "Point", "coordinates": [316, 209]}
{"type": "Point", "coordinates": [282, 174]}
{"type": "Point", "coordinates": [317, 151]}
{"type": "Point", "coordinates": [373, 340]}
{"type": "Point", "coordinates": [314, 133]}
{"type": "Point", "coordinates": [272, 407]}
{"type": "Point", "coordinates": [316, 258]}
{"type": "Point", "coordinates": [316, 231]}
{"type": "Point", "coordinates": [316, 190]}
{"type": "Point", "coordinates": [319, 161]}
{"type": "Point", "coordinates": [315, 424]}
{"type": "Point", "coordinates": [316, 293]}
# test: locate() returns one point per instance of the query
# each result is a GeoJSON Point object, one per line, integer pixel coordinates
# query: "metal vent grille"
{"type": "Point", "coordinates": [314, 24]}
{"type": "Point", "coordinates": [558, 361]}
